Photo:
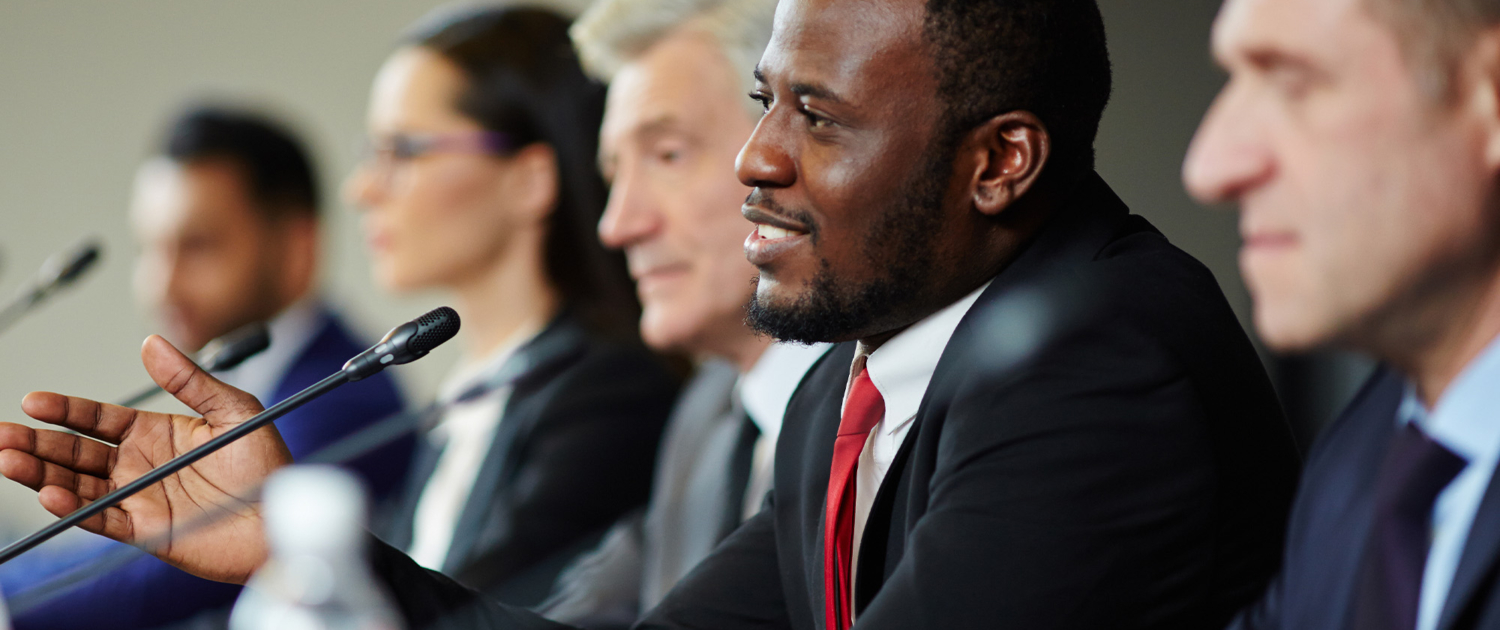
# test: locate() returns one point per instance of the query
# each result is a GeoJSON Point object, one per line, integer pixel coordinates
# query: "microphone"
{"type": "Point", "coordinates": [404, 344]}
{"type": "Point", "coordinates": [224, 353]}
{"type": "Point", "coordinates": [58, 271]}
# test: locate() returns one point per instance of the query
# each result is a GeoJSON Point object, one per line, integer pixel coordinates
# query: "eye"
{"type": "Point", "coordinates": [763, 99]}
{"type": "Point", "coordinates": [815, 121]}
{"type": "Point", "coordinates": [404, 147]}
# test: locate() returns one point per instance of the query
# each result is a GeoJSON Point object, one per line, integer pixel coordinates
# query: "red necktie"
{"type": "Point", "coordinates": [862, 411]}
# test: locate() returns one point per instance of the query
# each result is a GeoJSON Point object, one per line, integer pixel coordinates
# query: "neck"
{"type": "Point", "coordinates": [504, 299]}
{"type": "Point", "coordinates": [746, 350]}
{"type": "Point", "coordinates": [1461, 328]}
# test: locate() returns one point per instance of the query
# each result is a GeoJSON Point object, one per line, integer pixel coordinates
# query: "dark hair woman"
{"type": "Point", "coordinates": [481, 180]}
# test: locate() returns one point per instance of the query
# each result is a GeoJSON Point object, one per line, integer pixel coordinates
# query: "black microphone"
{"type": "Point", "coordinates": [58, 271]}
{"type": "Point", "coordinates": [224, 353]}
{"type": "Point", "coordinates": [404, 344]}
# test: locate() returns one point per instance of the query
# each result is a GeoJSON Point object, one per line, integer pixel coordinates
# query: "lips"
{"type": "Point", "coordinates": [773, 236]}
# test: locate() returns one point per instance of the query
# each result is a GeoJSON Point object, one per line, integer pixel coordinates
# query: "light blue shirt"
{"type": "Point", "coordinates": [1466, 420]}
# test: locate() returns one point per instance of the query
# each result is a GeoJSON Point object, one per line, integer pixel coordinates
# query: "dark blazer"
{"type": "Point", "coordinates": [144, 592]}
{"type": "Point", "coordinates": [1135, 473]}
{"type": "Point", "coordinates": [574, 451]}
{"type": "Point", "coordinates": [1331, 524]}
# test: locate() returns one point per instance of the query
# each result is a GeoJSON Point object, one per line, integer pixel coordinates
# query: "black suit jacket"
{"type": "Point", "coordinates": [574, 451]}
{"type": "Point", "coordinates": [1135, 473]}
{"type": "Point", "coordinates": [1331, 524]}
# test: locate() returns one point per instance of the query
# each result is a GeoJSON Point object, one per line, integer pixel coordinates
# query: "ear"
{"type": "Point", "coordinates": [1483, 68]}
{"type": "Point", "coordinates": [532, 182]}
{"type": "Point", "coordinates": [299, 255]}
{"type": "Point", "coordinates": [1008, 152]}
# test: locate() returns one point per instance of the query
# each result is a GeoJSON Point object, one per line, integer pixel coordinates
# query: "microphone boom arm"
{"type": "Point", "coordinates": [171, 467]}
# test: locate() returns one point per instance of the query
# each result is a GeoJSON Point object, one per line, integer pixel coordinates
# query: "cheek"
{"type": "Point", "coordinates": [443, 223]}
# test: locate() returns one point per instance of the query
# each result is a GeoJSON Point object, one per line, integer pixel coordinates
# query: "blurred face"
{"type": "Point", "coordinates": [674, 120]}
{"type": "Point", "coordinates": [1363, 196]}
{"type": "Point", "coordinates": [853, 236]}
{"type": "Point", "coordinates": [440, 209]}
{"type": "Point", "coordinates": [208, 262]}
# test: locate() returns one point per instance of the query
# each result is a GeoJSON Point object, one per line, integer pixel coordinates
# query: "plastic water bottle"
{"type": "Point", "coordinates": [317, 577]}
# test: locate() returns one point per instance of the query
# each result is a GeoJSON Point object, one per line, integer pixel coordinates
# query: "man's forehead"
{"type": "Point", "coordinates": [665, 88]}
{"type": "Point", "coordinates": [836, 41]}
{"type": "Point", "coordinates": [1301, 27]}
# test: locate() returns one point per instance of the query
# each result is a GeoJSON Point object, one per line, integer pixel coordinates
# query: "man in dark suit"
{"type": "Point", "coordinates": [226, 215]}
{"type": "Point", "coordinates": [1359, 138]}
{"type": "Point", "coordinates": [917, 164]}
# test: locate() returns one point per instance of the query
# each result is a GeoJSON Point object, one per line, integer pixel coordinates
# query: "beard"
{"type": "Point", "coordinates": [901, 242]}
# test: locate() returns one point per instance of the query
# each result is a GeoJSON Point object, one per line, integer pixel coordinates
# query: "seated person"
{"type": "Point", "coordinates": [482, 182]}
{"type": "Point", "coordinates": [226, 215]}
{"type": "Point", "coordinates": [688, 64]}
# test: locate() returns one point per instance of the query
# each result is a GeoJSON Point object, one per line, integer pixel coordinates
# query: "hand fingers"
{"type": "Point", "coordinates": [113, 522]}
{"type": "Point", "coordinates": [27, 470]}
{"type": "Point", "coordinates": [179, 376]}
{"type": "Point", "coordinates": [109, 423]}
{"type": "Point", "coordinates": [69, 451]}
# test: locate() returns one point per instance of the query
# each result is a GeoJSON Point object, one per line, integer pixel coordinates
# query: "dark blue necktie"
{"type": "Point", "coordinates": [1415, 471]}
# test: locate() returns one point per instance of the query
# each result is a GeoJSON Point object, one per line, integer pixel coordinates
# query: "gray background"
{"type": "Point", "coordinates": [85, 87]}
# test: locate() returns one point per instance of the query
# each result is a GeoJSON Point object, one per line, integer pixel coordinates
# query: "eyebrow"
{"type": "Point", "coordinates": [657, 126]}
{"type": "Point", "coordinates": [807, 89]}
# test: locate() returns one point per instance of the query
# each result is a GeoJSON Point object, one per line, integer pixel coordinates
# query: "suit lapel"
{"type": "Point", "coordinates": [400, 521]}
{"type": "Point", "coordinates": [529, 370]}
{"type": "Point", "coordinates": [1073, 236]}
{"type": "Point", "coordinates": [1479, 556]}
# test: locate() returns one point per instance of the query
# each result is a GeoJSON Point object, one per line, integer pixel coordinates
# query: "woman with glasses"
{"type": "Point", "coordinates": [480, 180]}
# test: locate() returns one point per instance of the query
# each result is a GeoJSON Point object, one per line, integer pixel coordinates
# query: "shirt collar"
{"type": "Point", "coordinates": [290, 332]}
{"type": "Point", "coordinates": [1463, 419]}
{"type": "Point", "coordinates": [767, 388]}
{"type": "Point", "coordinates": [902, 367]}
{"type": "Point", "coordinates": [471, 372]}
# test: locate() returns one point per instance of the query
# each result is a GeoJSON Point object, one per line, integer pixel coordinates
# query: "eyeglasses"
{"type": "Point", "coordinates": [409, 146]}
{"type": "Point", "coordinates": [384, 154]}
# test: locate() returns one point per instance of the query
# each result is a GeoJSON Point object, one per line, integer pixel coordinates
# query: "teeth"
{"type": "Point", "coordinates": [772, 232]}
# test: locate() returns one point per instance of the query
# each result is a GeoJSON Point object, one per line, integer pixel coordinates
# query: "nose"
{"type": "Point", "coordinates": [365, 187]}
{"type": "Point", "coordinates": [631, 215]}
{"type": "Point", "coordinates": [766, 161]}
{"type": "Point", "coordinates": [1231, 153]}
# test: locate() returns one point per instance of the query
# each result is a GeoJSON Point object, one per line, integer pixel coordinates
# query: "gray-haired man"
{"type": "Point", "coordinates": [675, 119]}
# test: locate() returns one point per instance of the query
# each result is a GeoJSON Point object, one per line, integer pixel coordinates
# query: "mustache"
{"type": "Point", "coordinates": [762, 199]}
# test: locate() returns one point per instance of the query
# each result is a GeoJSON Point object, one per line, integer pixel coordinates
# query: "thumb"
{"type": "Point", "coordinates": [218, 403]}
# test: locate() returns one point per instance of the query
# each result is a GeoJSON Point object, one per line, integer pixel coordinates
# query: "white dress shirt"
{"type": "Point", "coordinates": [764, 392]}
{"type": "Point", "coordinates": [465, 434]}
{"type": "Point", "coordinates": [900, 368]}
{"type": "Point", "coordinates": [291, 331]}
{"type": "Point", "coordinates": [1464, 421]}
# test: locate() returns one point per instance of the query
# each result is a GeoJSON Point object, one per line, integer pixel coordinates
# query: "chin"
{"type": "Point", "coordinates": [660, 331]}
{"type": "Point", "coordinates": [1288, 329]}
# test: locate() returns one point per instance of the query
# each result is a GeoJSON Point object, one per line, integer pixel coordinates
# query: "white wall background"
{"type": "Point", "coordinates": [85, 87]}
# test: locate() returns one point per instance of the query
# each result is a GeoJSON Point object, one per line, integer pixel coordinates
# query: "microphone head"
{"type": "Point", "coordinates": [227, 352]}
{"type": "Point", "coordinates": [406, 343]}
{"type": "Point", "coordinates": [62, 268]}
{"type": "Point", "coordinates": [432, 329]}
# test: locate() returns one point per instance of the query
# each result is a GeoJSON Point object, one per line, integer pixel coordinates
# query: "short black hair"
{"type": "Point", "coordinates": [272, 160]}
{"type": "Point", "coordinates": [1048, 57]}
{"type": "Point", "coordinates": [524, 81]}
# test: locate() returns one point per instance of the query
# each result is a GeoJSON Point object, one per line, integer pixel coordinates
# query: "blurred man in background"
{"type": "Point", "coordinates": [1361, 140]}
{"type": "Point", "coordinates": [227, 217]}
{"type": "Point", "coordinates": [674, 121]}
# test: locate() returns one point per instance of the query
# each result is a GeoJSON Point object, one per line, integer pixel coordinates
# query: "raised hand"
{"type": "Point", "coordinates": [69, 470]}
